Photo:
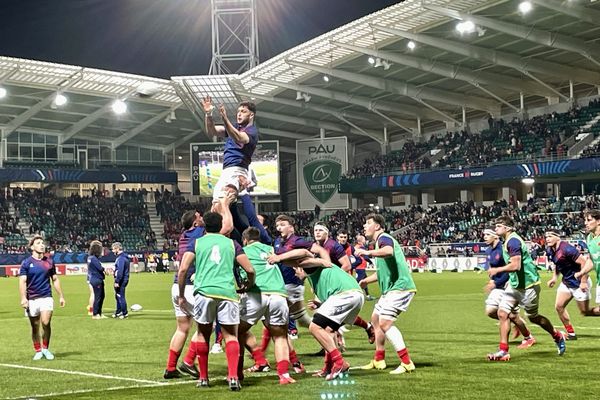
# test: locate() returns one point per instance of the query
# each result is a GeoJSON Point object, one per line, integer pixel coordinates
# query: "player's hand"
{"type": "Point", "coordinates": [116, 285]}
{"type": "Point", "coordinates": [300, 273]}
{"type": "Point", "coordinates": [61, 301]}
{"type": "Point", "coordinates": [492, 272]}
{"type": "Point", "coordinates": [361, 252]}
{"type": "Point", "coordinates": [273, 259]}
{"type": "Point", "coordinates": [326, 264]}
{"type": "Point", "coordinates": [222, 111]}
{"type": "Point", "coordinates": [551, 283]}
{"type": "Point", "coordinates": [363, 284]}
{"type": "Point", "coordinates": [207, 105]}
{"type": "Point", "coordinates": [578, 275]}
{"type": "Point", "coordinates": [181, 302]}
{"type": "Point", "coordinates": [583, 285]}
{"type": "Point", "coordinates": [244, 182]}
{"type": "Point", "coordinates": [313, 304]}
{"type": "Point", "coordinates": [489, 287]}
{"type": "Point", "coordinates": [24, 303]}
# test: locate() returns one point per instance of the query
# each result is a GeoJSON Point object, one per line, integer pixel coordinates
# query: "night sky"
{"type": "Point", "coordinates": [160, 38]}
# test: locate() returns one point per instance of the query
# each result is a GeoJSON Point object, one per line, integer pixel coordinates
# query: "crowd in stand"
{"type": "Point", "coordinates": [70, 223]}
{"type": "Point", "coordinates": [534, 138]}
{"type": "Point", "coordinates": [170, 206]}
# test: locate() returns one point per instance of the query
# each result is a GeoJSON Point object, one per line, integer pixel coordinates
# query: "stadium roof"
{"type": "Point", "coordinates": [509, 53]}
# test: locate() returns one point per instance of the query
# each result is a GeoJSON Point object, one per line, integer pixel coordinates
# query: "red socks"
{"type": "Point", "coordinates": [202, 352]}
{"type": "Point", "coordinates": [172, 361]}
{"type": "Point", "coordinates": [45, 344]}
{"type": "Point", "coordinates": [283, 367]}
{"type": "Point", "coordinates": [557, 336]}
{"type": "Point", "coordinates": [232, 352]}
{"type": "Point", "coordinates": [293, 357]}
{"type": "Point", "coordinates": [503, 347]}
{"type": "Point", "coordinates": [37, 346]}
{"type": "Point", "coordinates": [259, 357]}
{"type": "Point", "coordinates": [191, 354]}
{"type": "Point", "coordinates": [569, 329]}
{"type": "Point", "coordinates": [404, 357]}
{"type": "Point", "coordinates": [361, 322]}
{"type": "Point", "coordinates": [336, 357]}
{"type": "Point", "coordinates": [266, 338]}
{"type": "Point", "coordinates": [379, 355]}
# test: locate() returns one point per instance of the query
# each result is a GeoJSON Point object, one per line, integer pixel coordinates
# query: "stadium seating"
{"type": "Point", "coordinates": [69, 224]}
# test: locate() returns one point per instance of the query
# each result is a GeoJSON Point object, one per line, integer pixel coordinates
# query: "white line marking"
{"type": "Point", "coordinates": [64, 371]}
{"type": "Point", "coordinates": [70, 392]}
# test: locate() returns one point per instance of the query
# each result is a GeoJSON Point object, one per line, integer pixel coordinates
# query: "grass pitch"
{"type": "Point", "coordinates": [445, 329]}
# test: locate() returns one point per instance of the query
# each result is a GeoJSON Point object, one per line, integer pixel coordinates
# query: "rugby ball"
{"type": "Point", "coordinates": [136, 307]}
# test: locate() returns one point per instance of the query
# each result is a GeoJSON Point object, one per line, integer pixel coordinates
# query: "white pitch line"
{"type": "Point", "coordinates": [81, 391]}
{"type": "Point", "coordinates": [64, 371]}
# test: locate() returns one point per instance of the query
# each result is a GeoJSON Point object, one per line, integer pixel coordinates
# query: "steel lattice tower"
{"type": "Point", "coordinates": [234, 36]}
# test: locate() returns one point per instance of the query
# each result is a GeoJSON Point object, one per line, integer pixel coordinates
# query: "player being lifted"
{"type": "Point", "coordinates": [397, 291]}
{"type": "Point", "coordinates": [523, 289]}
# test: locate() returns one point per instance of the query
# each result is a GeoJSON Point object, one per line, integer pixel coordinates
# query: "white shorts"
{"type": "Point", "coordinates": [391, 304]}
{"type": "Point", "coordinates": [342, 308]}
{"type": "Point", "coordinates": [295, 293]}
{"type": "Point", "coordinates": [188, 307]}
{"type": "Point", "coordinates": [598, 294]}
{"type": "Point", "coordinates": [229, 176]}
{"type": "Point", "coordinates": [576, 293]}
{"type": "Point", "coordinates": [42, 304]}
{"type": "Point", "coordinates": [208, 309]}
{"type": "Point", "coordinates": [494, 298]}
{"type": "Point", "coordinates": [529, 298]}
{"type": "Point", "coordinates": [272, 308]}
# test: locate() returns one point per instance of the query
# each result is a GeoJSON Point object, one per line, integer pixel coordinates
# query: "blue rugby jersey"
{"type": "Point", "coordinates": [95, 270]}
{"type": "Point", "coordinates": [240, 154]}
{"type": "Point", "coordinates": [335, 250]}
{"type": "Point", "coordinates": [38, 273]}
{"type": "Point", "coordinates": [283, 246]}
{"type": "Point", "coordinates": [565, 261]}
{"type": "Point", "coordinates": [495, 259]}
{"type": "Point", "coordinates": [121, 273]}
{"type": "Point", "coordinates": [187, 242]}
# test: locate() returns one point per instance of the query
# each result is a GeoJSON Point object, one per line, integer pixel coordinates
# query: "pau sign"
{"type": "Point", "coordinates": [320, 164]}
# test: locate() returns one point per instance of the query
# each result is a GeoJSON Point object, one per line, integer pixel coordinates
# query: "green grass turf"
{"type": "Point", "coordinates": [445, 330]}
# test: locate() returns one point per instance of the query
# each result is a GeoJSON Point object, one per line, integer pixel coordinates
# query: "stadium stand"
{"type": "Point", "coordinates": [70, 223]}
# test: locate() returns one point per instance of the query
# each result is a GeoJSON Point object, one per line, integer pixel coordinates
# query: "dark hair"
{"type": "Point", "coordinates": [213, 222]}
{"type": "Point", "coordinates": [33, 239]}
{"type": "Point", "coordinates": [251, 234]}
{"type": "Point", "coordinates": [285, 218]}
{"type": "Point", "coordinates": [377, 218]}
{"type": "Point", "coordinates": [95, 248]}
{"type": "Point", "coordinates": [188, 218]}
{"type": "Point", "coordinates": [342, 232]}
{"type": "Point", "coordinates": [249, 105]}
{"type": "Point", "coordinates": [506, 221]}
{"type": "Point", "coordinates": [592, 213]}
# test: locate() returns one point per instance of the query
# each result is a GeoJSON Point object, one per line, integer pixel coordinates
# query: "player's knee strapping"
{"type": "Point", "coordinates": [301, 317]}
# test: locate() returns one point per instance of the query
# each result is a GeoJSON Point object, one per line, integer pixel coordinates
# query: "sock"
{"type": "Point", "coordinates": [336, 356]}
{"type": "Point", "coordinates": [404, 357]}
{"type": "Point", "coordinates": [379, 355]}
{"type": "Point", "coordinates": [328, 361]}
{"type": "Point", "coordinates": [37, 346]}
{"type": "Point", "coordinates": [266, 338]}
{"type": "Point", "coordinates": [219, 339]}
{"type": "Point", "coordinates": [45, 344]}
{"type": "Point", "coordinates": [172, 361]}
{"type": "Point", "coordinates": [232, 352]}
{"type": "Point", "coordinates": [570, 329]}
{"type": "Point", "coordinates": [361, 322]}
{"type": "Point", "coordinates": [202, 352]}
{"type": "Point", "coordinates": [191, 354]}
{"type": "Point", "coordinates": [294, 357]}
{"type": "Point", "coordinates": [283, 367]}
{"type": "Point", "coordinates": [503, 347]}
{"type": "Point", "coordinates": [556, 336]}
{"type": "Point", "coordinates": [259, 357]}
{"type": "Point", "coordinates": [395, 337]}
